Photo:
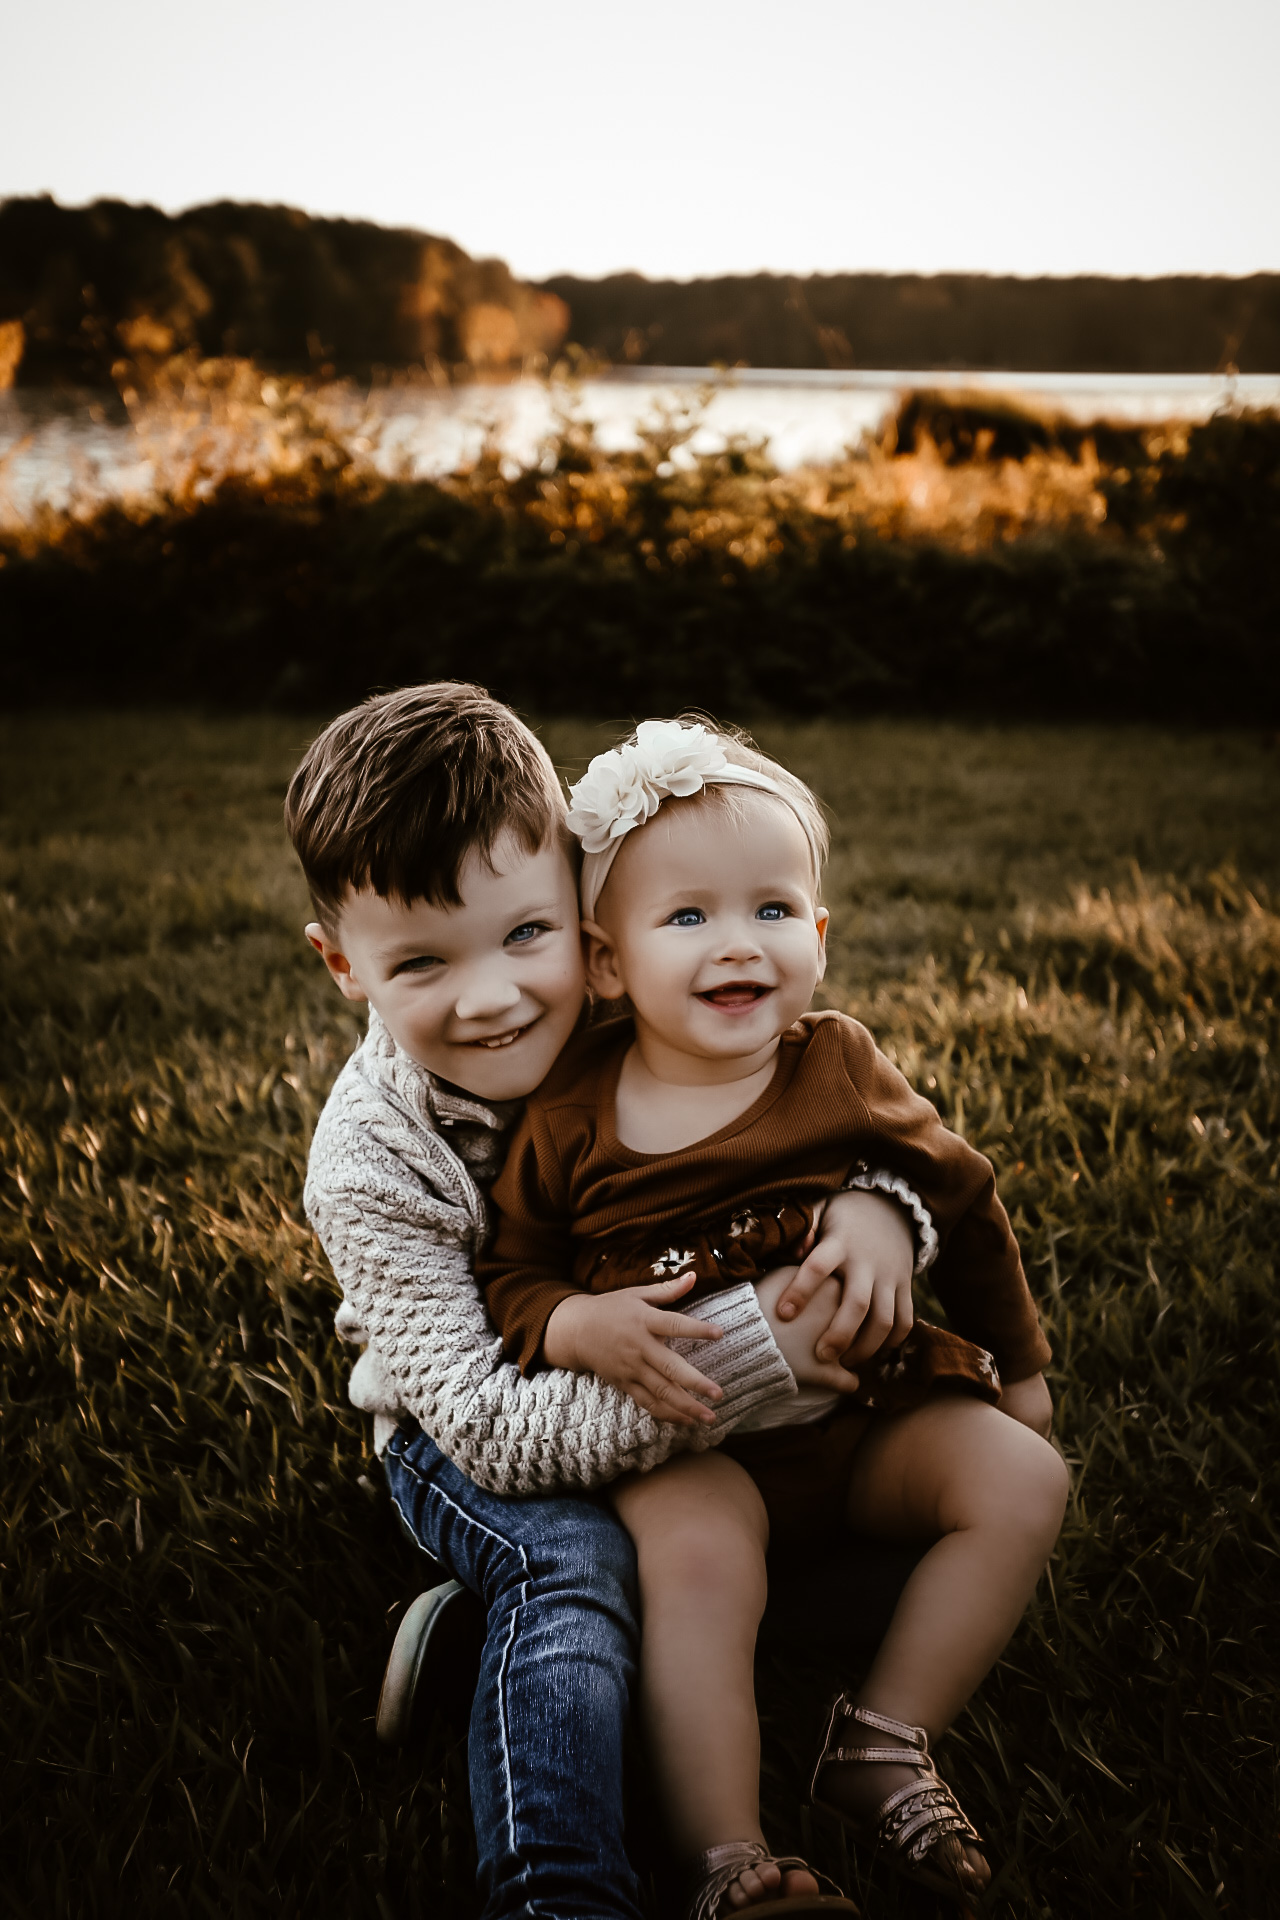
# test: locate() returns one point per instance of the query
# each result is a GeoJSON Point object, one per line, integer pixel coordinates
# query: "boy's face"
{"type": "Point", "coordinates": [709, 923]}
{"type": "Point", "coordinates": [484, 994]}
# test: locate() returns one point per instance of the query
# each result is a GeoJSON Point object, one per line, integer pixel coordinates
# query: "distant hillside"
{"type": "Point", "coordinates": [81, 286]}
{"type": "Point", "coordinates": [965, 320]}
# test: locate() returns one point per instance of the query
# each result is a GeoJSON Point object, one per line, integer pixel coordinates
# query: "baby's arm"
{"type": "Point", "coordinates": [866, 1239]}
{"type": "Point", "coordinates": [546, 1320]}
{"type": "Point", "coordinates": [623, 1338]}
{"type": "Point", "coordinates": [627, 1340]}
{"type": "Point", "coordinates": [1029, 1401]}
{"type": "Point", "coordinates": [978, 1275]}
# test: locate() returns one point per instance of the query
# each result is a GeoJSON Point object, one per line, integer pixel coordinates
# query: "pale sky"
{"type": "Point", "coordinates": [681, 137]}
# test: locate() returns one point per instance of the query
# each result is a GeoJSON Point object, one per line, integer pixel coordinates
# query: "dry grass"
{"type": "Point", "coordinates": [199, 1569]}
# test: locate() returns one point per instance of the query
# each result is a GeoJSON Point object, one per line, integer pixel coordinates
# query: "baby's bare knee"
{"type": "Point", "coordinates": [1007, 1477]}
{"type": "Point", "coordinates": [1031, 1486]}
{"type": "Point", "coordinates": [712, 1566]}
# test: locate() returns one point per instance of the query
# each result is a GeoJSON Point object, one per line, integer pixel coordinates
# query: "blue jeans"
{"type": "Point", "coordinates": [558, 1580]}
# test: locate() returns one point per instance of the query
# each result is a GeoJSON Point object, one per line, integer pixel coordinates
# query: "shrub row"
{"type": "Point", "coordinates": [615, 584]}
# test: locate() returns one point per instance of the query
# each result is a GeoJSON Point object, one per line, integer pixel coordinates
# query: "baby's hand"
{"type": "Point", "coordinates": [797, 1338]}
{"type": "Point", "coordinates": [867, 1240]}
{"type": "Point", "coordinates": [622, 1338]}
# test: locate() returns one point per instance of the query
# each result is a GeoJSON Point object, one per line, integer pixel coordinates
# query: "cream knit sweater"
{"type": "Point", "coordinates": [395, 1189]}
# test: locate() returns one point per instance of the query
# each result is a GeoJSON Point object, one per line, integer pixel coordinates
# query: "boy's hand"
{"type": "Point", "coordinates": [867, 1240]}
{"type": "Point", "coordinates": [798, 1337]}
{"type": "Point", "coordinates": [1031, 1402]}
{"type": "Point", "coordinates": [622, 1338]}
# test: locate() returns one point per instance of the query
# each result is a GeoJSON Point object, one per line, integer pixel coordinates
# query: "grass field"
{"type": "Point", "coordinates": [1070, 939]}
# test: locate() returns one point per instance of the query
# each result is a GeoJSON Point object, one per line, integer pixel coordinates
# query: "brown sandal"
{"type": "Point", "coordinates": [912, 1821]}
{"type": "Point", "coordinates": [716, 1870]}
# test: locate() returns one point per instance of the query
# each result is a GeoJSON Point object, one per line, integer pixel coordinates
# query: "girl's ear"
{"type": "Point", "coordinates": [822, 920]}
{"type": "Point", "coordinates": [601, 961]}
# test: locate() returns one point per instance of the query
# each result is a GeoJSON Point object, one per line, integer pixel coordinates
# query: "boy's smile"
{"type": "Point", "coordinates": [483, 994]}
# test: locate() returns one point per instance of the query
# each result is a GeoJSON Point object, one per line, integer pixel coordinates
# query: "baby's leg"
{"type": "Point", "coordinates": [700, 1532]}
{"type": "Point", "coordinates": [995, 1492]}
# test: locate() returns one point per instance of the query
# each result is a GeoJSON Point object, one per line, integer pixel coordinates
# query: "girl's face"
{"type": "Point", "coordinates": [708, 923]}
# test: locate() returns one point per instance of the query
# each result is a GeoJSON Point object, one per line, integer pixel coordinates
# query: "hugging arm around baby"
{"type": "Point", "coordinates": [697, 1137]}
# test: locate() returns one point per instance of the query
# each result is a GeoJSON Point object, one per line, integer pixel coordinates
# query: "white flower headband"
{"type": "Point", "coordinates": [625, 787]}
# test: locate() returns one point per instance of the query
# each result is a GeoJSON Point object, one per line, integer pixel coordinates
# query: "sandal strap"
{"type": "Point", "coordinates": [917, 1816]}
{"type": "Point", "coordinates": [914, 1751]}
{"type": "Point", "coordinates": [913, 1818]}
{"type": "Point", "coordinates": [716, 1870]}
{"type": "Point", "coordinates": [910, 1736]}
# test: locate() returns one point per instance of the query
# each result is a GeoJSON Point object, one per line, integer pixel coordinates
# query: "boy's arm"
{"type": "Point", "coordinates": [978, 1272]}
{"type": "Point", "coordinates": [403, 1258]}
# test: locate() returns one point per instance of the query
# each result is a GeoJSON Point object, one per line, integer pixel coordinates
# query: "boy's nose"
{"type": "Point", "coordinates": [486, 996]}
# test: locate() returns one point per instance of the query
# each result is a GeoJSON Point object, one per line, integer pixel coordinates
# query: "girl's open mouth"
{"type": "Point", "coordinates": [735, 995]}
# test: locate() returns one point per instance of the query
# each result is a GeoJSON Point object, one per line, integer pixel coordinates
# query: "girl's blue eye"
{"type": "Point", "coordinates": [528, 930]}
{"type": "Point", "coordinates": [774, 911]}
{"type": "Point", "coordinates": [687, 917]}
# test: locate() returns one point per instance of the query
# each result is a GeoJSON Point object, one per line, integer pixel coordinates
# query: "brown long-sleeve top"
{"type": "Point", "coordinates": [577, 1210]}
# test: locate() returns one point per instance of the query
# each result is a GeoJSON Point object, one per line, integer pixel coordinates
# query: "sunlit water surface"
{"type": "Point", "coordinates": [58, 448]}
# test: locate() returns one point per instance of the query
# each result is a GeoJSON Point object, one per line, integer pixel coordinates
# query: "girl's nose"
{"type": "Point", "coordinates": [741, 943]}
{"type": "Point", "coordinates": [485, 995]}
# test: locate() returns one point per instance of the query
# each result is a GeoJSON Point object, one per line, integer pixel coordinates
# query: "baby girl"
{"type": "Point", "coordinates": [701, 1134]}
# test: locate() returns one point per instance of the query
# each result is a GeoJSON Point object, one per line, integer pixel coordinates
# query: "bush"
{"type": "Point", "coordinates": [642, 581]}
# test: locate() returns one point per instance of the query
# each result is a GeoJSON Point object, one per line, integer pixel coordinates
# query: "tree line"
{"type": "Point", "coordinates": [83, 287]}
{"type": "Point", "coordinates": [1086, 324]}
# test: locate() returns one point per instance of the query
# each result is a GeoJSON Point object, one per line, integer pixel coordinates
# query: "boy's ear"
{"type": "Point", "coordinates": [601, 962]}
{"type": "Point", "coordinates": [822, 920]}
{"type": "Point", "coordinates": [337, 962]}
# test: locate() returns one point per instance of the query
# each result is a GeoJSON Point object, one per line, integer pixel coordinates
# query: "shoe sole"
{"type": "Point", "coordinates": [436, 1650]}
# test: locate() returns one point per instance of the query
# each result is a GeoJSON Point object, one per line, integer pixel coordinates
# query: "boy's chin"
{"type": "Point", "coordinates": [508, 1073]}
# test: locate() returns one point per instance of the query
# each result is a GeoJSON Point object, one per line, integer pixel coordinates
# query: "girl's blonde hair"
{"type": "Point", "coordinates": [740, 750]}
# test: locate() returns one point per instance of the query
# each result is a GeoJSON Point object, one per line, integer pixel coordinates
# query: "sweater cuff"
{"type": "Point", "coordinates": [896, 1188]}
{"type": "Point", "coordinates": [745, 1362]}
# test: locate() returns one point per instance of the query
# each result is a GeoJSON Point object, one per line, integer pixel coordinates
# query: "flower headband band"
{"type": "Point", "coordinates": [625, 787]}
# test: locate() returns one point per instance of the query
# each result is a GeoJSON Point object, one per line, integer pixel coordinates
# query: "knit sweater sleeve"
{"type": "Point", "coordinates": [402, 1252]}
{"type": "Point", "coordinates": [977, 1274]}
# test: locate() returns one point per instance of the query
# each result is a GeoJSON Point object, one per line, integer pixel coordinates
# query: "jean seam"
{"type": "Point", "coordinates": [515, 1547]}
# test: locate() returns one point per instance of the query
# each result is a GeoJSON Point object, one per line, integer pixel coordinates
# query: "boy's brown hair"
{"type": "Point", "coordinates": [395, 793]}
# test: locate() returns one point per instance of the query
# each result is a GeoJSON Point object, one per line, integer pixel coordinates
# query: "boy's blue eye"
{"type": "Point", "coordinates": [527, 930]}
{"type": "Point", "coordinates": [687, 917]}
{"type": "Point", "coordinates": [774, 911]}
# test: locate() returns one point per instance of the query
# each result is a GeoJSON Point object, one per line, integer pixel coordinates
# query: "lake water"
{"type": "Point", "coordinates": [53, 447]}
